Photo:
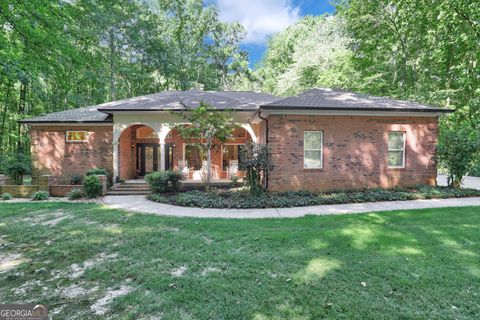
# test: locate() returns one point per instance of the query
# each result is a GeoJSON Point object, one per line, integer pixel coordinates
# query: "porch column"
{"type": "Point", "coordinates": [162, 155]}
{"type": "Point", "coordinates": [162, 135]}
{"type": "Point", "coordinates": [115, 161]}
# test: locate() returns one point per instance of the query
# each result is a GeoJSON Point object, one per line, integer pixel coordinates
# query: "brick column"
{"type": "Point", "coordinates": [103, 180]}
{"type": "Point", "coordinates": [44, 182]}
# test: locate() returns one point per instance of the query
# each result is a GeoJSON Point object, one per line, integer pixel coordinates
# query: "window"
{"type": "Point", "coordinates": [230, 152]}
{"type": "Point", "coordinates": [312, 149]}
{"type": "Point", "coordinates": [194, 156]}
{"type": "Point", "coordinates": [396, 149]}
{"type": "Point", "coordinates": [76, 136]}
{"type": "Point", "coordinates": [146, 133]}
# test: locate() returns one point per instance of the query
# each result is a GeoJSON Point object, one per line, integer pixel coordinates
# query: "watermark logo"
{"type": "Point", "coordinates": [23, 312]}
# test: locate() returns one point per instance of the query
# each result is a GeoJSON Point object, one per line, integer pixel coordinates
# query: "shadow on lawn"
{"type": "Point", "coordinates": [422, 264]}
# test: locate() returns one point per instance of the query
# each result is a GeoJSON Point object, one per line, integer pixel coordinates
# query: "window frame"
{"type": "Point", "coordinates": [321, 149]}
{"type": "Point", "coordinates": [404, 136]}
{"type": "Point", "coordinates": [230, 144]}
{"type": "Point", "coordinates": [67, 133]}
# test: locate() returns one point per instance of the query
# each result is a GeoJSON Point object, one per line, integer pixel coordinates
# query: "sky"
{"type": "Point", "coordinates": [262, 18]}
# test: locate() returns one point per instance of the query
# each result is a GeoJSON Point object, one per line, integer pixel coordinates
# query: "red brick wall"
{"type": "Point", "coordinates": [355, 152]}
{"type": "Point", "coordinates": [51, 154]}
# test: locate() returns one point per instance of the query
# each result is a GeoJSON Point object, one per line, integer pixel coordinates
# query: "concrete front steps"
{"type": "Point", "coordinates": [129, 189]}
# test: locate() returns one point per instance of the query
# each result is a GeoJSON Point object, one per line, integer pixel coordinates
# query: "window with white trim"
{"type": "Point", "coordinates": [76, 136]}
{"type": "Point", "coordinates": [396, 149]}
{"type": "Point", "coordinates": [313, 149]}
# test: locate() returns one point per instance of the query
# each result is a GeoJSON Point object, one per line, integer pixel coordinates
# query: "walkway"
{"type": "Point", "coordinates": [142, 205]}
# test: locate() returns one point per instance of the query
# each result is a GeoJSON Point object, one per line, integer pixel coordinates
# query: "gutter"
{"type": "Point", "coordinates": [266, 140]}
{"type": "Point", "coordinates": [306, 108]}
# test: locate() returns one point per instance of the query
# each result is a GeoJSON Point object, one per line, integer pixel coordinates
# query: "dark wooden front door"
{"type": "Point", "coordinates": [168, 156]}
{"type": "Point", "coordinates": [147, 158]}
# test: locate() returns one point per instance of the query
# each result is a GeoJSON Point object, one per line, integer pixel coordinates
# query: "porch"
{"type": "Point", "coordinates": [140, 149]}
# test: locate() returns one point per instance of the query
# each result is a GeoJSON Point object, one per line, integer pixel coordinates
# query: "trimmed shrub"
{"type": "Point", "coordinates": [92, 186]}
{"type": "Point", "coordinates": [157, 198]}
{"type": "Point", "coordinates": [40, 196]}
{"type": "Point", "coordinates": [75, 194]}
{"type": "Point", "coordinates": [164, 181]}
{"type": "Point", "coordinates": [242, 199]}
{"type": "Point", "coordinates": [6, 196]}
{"type": "Point", "coordinates": [76, 179]}
{"type": "Point", "coordinates": [15, 166]}
{"type": "Point", "coordinates": [97, 171]}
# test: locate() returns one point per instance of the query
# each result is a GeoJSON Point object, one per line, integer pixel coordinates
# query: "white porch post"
{"type": "Point", "coordinates": [115, 161]}
{"type": "Point", "coordinates": [164, 130]}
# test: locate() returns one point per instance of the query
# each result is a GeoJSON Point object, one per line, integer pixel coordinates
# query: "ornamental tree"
{"type": "Point", "coordinates": [458, 150]}
{"type": "Point", "coordinates": [210, 126]}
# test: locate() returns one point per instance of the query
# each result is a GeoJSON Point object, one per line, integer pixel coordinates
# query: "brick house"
{"type": "Point", "coordinates": [321, 139]}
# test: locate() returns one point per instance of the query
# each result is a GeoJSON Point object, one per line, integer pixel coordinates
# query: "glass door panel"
{"type": "Point", "coordinates": [149, 161]}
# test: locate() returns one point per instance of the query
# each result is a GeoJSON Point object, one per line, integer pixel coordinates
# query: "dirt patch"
{"type": "Point", "coordinates": [75, 291]}
{"type": "Point", "coordinates": [178, 272]}
{"type": "Point", "coordinates": [208, 270]}
{"type": "Point", "coordinates": [27, 286]}
{"type": "Point", "coordinates": [101, 306]}
{"type": "Point", "coordinates": [48, 218]}
{"type": "Point", "coordinates": [11, 261]}
{"type": "Point", "coordinates": [75, 270]}
{"type": "Point", "coordinates": [207, 240]}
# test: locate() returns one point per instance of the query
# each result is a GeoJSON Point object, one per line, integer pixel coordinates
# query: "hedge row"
{"type": "Point", "coordinates": [232, 199]}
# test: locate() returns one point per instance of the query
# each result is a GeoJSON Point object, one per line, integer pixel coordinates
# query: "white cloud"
{"type": "Point", "coordinates": [259, 17]}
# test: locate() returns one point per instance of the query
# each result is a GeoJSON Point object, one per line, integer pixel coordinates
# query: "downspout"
{"type": "Point", "coordinates": [266, 141]}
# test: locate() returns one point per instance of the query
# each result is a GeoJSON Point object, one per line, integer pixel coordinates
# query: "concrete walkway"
{"type": "Point", "coordinates": [142, 205]}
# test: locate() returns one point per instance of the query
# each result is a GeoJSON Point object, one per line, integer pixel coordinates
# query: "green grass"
{"type": "Point", "coordinates": [421, 264]}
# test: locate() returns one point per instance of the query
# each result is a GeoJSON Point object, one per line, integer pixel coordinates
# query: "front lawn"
{"type": "Point", "coordinates": [87, 261]}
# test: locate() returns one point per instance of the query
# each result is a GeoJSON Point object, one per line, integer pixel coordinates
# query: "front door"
{"type": "Point", "coordinates": [168, 156]}
{"type": "Point", "coordinates": [147, 158]}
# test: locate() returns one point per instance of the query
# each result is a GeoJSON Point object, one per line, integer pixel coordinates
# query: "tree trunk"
{"type": "Point", "coordinates": [112, 65]}
{"type": "Point", "coordinates": [4, 117]}
{"type": "Point", "coordinates": [21, 111]}
{"type": "Point", "coordinates": [209, 165]}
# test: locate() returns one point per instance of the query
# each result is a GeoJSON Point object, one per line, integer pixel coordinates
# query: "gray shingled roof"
{"type": "Point", "coordinates": [176, 100]}
{"type": "Point", "coordinates": [167, 100]}
{"type": "Point", "coordinates": [83, 115]}
{"type": "Point", "coordinates": [333, 99]}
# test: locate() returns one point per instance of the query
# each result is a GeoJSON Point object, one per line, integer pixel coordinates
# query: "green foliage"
{"type": "Point", "coordinates": [210, 126]}
{"type": "Point", "coordinates": [97, 171]}
{"type": "Point", "coordinates": [458, 150]}
{"type": "Point", "coordinates": [314, 52]}
{"type": "Point", "coordinates": [76, 179]}
{"type": "Point", "coordinates": [164, 181]}
{"type": "Point", "coordinates": [231, 199]}
{"type": "Point", "coordinates": [6, 196]}
{"type": "Point", "coordinates": [15, 166]}
{"type": "Point", "coordinates": [155, 197]}
{"type": "Point", "coordinates": [92, 186]}
{"type": "Point", "coordinates": [415, 51]}
{"type": "Point", "coordinates": [80, 53]}
{"type": "Point", "coordinates": [40, 196]}
{"type": "Point", "coordinates": [75, 194]}
{"type": "Point", "coordinates": [255, 160]}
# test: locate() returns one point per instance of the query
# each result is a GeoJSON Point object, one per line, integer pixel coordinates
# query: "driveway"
{"type": "Point", "coordinates": [468, 182]}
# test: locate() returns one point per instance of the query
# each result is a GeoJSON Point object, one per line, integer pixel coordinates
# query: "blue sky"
{"type": "Point", "coordinates": [262, 18]}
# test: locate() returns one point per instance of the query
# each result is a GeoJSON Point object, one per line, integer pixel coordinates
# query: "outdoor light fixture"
{"type": "Point", "coordinates": [133, 146]}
